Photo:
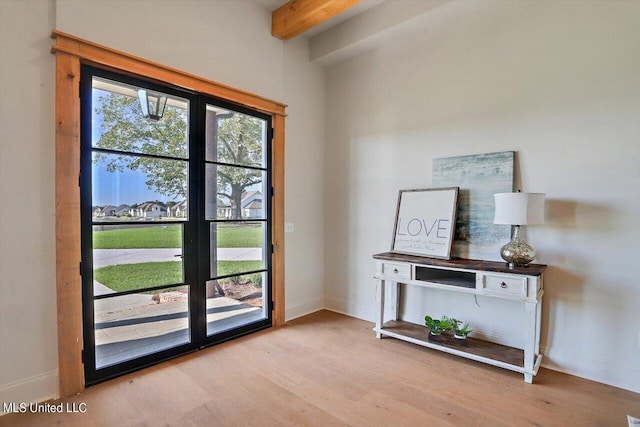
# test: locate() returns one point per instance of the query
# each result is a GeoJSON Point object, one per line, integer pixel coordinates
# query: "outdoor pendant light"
{"type": "Point", "coordinates": [152, 105]}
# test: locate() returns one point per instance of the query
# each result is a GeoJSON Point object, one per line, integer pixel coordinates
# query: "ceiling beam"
{"type": "Point", "coordinates": [297, 16]}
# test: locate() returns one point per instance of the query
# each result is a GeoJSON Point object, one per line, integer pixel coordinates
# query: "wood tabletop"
{"type": "Point", "coordinates": [469, 264]}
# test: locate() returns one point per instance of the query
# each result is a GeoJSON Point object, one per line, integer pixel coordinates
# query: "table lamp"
{"type": "Point", "coordinates": [518, 209]}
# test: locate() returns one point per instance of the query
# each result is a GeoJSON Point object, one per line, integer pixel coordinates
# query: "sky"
{"type": "Point", "coordinates": [109, 188]}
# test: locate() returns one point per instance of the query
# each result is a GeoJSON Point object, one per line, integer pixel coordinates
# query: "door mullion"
{"type": "Point", "coordinates": [198, 259]}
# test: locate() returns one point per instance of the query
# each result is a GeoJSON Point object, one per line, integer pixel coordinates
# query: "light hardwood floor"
{"type": "Point", "coordinates": [327, 369]}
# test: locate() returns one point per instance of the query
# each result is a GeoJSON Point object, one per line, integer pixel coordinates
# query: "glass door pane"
{"type": "Point", "coordinates": [237, 215]}
{"type": "Point", "coordinates": [141, 258]}
{"type": "Point", "coordinates": [135, 191]}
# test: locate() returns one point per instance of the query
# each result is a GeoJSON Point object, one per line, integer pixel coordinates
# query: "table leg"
{"type": "Point", "coordinates": [531, 326]}
{"type": "Point", "coordinates": [538, 322]}
{"type": "Point", "coordinates": [395, 300]}
{"type": "Point", "coordinates": [380, 317]}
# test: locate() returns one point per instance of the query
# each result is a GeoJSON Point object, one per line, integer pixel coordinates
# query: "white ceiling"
{"type": "Point", "coordinates": [272, 5]}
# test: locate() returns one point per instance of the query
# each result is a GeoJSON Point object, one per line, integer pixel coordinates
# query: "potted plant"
{"type": "Point", "coordinates": [438, 326]}
{"type": "Point", "coordinates": [461, 330]}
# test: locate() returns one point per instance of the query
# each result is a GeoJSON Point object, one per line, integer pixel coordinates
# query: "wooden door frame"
{"type": "Point", "coordinates": [71, 51]}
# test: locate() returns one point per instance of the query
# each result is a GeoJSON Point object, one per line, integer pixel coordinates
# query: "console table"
{"type": "Point", "coordinates": [485, 278]}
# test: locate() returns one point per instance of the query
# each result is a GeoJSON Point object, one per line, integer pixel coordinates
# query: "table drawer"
{"type": "Point", "coordinates": [505, 285]}
{"type": "Point", "coordinates": [396, 271]}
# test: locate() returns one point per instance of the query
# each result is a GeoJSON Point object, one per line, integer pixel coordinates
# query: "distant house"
{"type": "Point", "coordinates": [110, 210]}
{"type": "Point", "coordinates": [252, 204]}
{"type": "Point", "coordinates": [252, 210]}
{"type": "Point", "coordinates": [102, 211]}
{"type": "Point", "coordinates": [121, 210]}
{"type": "Point", "coordinates": [223, 209]}
{"type": "Point", "coordinates": [179, 210]}
{"type": "Point", "coordinates": [149, 210]}
{"type": "Point", "coordinates": [250, 196]}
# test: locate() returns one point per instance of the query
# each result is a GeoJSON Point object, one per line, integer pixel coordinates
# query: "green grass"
{"type": "Point", "coordinates": [247, 236]}
{"type": "Point", "coordinates": [127, 277]}
{"type": "Point", "coordinates": [170, 236]}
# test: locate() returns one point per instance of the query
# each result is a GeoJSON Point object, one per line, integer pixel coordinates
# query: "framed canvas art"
{"type": "Point", "coordinates": [479, 177]}
{"type": "Point", "coordinates": [425, 222]}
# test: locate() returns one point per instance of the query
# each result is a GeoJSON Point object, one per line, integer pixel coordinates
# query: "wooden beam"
{"type": "Point", "coordinates": [297, 16]}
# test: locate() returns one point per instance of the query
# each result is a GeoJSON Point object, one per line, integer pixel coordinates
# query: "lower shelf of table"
{"type": "Point", "coordinates": [471, 348]}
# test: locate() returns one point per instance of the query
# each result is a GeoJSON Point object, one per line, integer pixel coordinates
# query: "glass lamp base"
{"type": "Point", "coordinates": [517, 252]}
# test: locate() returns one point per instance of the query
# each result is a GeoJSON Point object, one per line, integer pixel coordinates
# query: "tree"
{"type": "Point", "coordinates": [239, 141]}
{"type": "Point", "coordinates": [125, 129]}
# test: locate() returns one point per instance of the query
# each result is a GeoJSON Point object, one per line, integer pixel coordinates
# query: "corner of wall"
{"type": "Point", "coordinates": [304, 89]}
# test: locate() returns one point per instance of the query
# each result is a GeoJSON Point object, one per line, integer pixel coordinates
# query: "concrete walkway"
{"type": "Point", "coordinates": [104, 257]}
{"type": "Point", "coordinates": [130, 326]}
{"type": "Point", "coordinates": [135, 330]}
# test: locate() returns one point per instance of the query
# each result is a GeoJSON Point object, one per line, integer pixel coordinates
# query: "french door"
{"type": "Point", "coordinates": [175, 222]}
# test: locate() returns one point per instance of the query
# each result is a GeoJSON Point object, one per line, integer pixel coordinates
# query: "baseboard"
{"type": "Point", "coordinates": [359, 311]}
{"type": "Point", "coordinates": [31, 390]}
{"type": "Point", "coordinates": [605, 371]}
{"type": "Point", "coordinates": [302, 308]}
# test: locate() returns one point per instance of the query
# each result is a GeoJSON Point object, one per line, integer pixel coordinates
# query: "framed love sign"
{"type": "Point", "coordinates": [425, 222]}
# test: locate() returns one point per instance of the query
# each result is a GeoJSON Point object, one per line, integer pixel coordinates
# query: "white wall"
{"type": "Point", "coordinates": [304, 180]}
{"type": "Point", "coordinates": [28, 335]}
{"type": "Point", "coordinates": [558, 82]}
{"type": "Point", "coordinates": [225, 41]}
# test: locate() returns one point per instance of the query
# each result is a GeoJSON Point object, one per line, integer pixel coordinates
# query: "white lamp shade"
{"type": "Point", "coordinates": [519, 208]}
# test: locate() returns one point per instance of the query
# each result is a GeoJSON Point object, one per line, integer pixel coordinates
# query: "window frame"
{"type": "Point", "coordinates": [71, 52]}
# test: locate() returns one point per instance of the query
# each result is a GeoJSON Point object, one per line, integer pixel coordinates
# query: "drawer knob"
{"type": "Point", "coordinates": [395, 271]}
{"type": "Point", "coordinates": [503, 285]}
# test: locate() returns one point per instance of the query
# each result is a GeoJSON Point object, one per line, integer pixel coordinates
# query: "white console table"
{"type": "Point", "coordinates": [486, 278]}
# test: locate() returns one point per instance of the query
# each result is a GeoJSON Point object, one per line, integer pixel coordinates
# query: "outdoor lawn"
{"type": "Point", "coordinates": [170, 236]}
{"type": "Point", "coordinates": [128, 277]}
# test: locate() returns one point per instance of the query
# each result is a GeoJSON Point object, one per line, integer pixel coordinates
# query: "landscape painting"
{"type": "Point", "coordinates": [479, 177]}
